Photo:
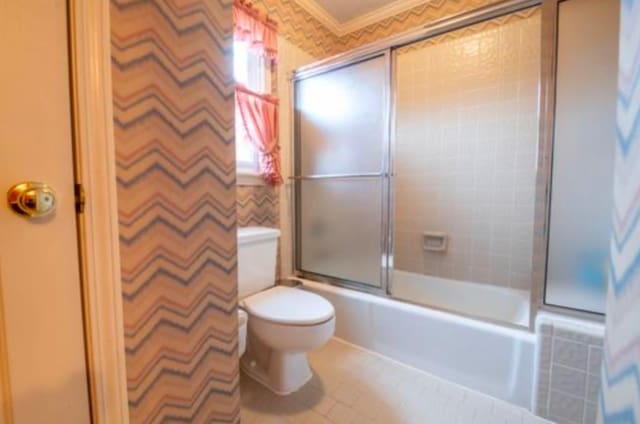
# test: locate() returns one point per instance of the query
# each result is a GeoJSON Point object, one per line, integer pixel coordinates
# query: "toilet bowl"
{"type": "Point", "coordinates": [242, 332]}
{"type": "Point", "coordinates": [284, 323]}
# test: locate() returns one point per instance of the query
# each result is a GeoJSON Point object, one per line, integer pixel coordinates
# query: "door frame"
{"type": "Point", "coordinates": [89, 36]}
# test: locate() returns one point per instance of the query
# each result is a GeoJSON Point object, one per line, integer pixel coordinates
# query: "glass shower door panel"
{"type": "Point", "coordinates": [340, 228]}
{"type": "Point", "coordinates": [341, 119]}
{"type": "Point", "coordinates": [583, 153]}
{"type": "Point", "coordinates": [341, 140]}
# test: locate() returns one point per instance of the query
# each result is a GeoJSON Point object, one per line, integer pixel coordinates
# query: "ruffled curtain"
{"type": "Point", "coordinates": [260, 33]}
{"type": "Point", "coordinates": [259, 114]}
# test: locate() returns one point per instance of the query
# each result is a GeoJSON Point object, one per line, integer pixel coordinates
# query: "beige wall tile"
{"type": "Point", "coordinates": [466, 151]}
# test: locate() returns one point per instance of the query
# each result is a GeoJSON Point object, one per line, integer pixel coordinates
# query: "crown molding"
{"type": "Point", "coordinates": [359, 22]}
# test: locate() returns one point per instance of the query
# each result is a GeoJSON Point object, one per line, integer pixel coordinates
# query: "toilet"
{"type": "Point", "coordinates": [283, 323]}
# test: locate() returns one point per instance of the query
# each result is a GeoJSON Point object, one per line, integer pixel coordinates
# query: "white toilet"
{"type": "Point", "coordinates": [284, 323]}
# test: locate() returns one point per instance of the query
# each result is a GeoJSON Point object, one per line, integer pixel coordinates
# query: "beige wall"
{"type": "Point", "coordinates": [466, 151]}
{"type": "Point", "coordinates": [290, 58]}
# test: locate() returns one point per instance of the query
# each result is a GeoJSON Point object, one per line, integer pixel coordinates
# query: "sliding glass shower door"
{"type": "Point", "coordinates": [342, 139]}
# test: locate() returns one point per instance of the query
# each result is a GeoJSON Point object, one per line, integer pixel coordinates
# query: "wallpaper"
{"type": "Point", "coordinates": [258, 206]}
{"type": "Point", "coordinates": [303, 30]}
{"type": "Point", "coordinates": [620, 396]}
{"type": "Point", "coordinates": [299, 27]}
{"type": "Point", "coordinates": [173, 113]}
{"type": "Point", "coordinates": [423, 14]}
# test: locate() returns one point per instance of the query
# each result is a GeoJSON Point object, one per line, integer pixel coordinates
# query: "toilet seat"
{"type": "Point", "coordinates": [289, 306]}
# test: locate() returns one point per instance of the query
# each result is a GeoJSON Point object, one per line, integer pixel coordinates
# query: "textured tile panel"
{"type": "Point", "coordinates": [568, 371]}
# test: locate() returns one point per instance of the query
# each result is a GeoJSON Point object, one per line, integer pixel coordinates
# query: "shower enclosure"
{"type": "Point", "coordinates": [420, 172]}
{"type": "Point", "coordinates": [342, 181]}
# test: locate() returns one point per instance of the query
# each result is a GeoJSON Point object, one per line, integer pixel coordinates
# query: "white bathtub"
{"type": "Point", "coordinates": [489, 358]}
{"type": "Point", "coordinates": [482, 300]}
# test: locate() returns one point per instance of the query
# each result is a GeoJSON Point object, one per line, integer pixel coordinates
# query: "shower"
{"type": "Point", "coordinates": [421, 172]}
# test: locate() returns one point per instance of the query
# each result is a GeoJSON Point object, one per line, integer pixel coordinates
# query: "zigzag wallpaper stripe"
{"type": "Point", "coordinates": [620, 396]}
{"type": "Point", "coordinates": [472, 29]}
{"type": "Point", "coordinates": [299, 27]}
{"type": "Point", "coordinates": [258, 206]}
{"type": "Point", "coordinates": [173, 112]}
{"type": "Point", "coordinates": [306, 32]}
{"type": "Point", "coordinates": [424, 13]}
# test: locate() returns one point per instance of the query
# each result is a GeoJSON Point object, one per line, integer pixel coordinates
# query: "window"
{"type": "Point", "coordinates": [249, 71]}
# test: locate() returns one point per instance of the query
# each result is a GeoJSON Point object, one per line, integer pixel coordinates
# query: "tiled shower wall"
{"type": "Point", "coordinates": [173, 119]}
{"type": "Point", "coordinates": [466, 151]}
{"type": "Point", "coordinates": [568, 371]}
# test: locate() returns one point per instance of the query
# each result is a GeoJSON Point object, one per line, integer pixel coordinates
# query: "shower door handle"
{"type": "Point", "coordinates": [335, 176]}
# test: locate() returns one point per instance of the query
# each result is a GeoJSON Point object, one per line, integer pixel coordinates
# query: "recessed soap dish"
{"type": "Point", "coordinates": [434, 241]}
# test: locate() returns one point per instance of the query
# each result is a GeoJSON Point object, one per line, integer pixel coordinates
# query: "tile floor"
{"type": "Point", "coordinates": [351, 385]}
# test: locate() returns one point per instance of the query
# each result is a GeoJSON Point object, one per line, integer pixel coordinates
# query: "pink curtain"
{"type": "Point", "coordinates": [259, 33]}
{"type": "Point", "coordinates": [259, 115]}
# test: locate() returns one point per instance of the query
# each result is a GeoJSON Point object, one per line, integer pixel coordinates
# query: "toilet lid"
{"type": "Point", "coordinates": [287, 305]}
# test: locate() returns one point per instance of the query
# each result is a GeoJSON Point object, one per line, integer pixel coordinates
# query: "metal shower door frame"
{"type": "Point", "coordinates": [383, 175]}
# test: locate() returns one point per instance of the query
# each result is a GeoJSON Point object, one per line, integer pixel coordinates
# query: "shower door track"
{"type": "Point", "coordinates": [339, 176]}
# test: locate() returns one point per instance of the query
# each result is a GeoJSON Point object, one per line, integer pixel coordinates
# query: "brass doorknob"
{"type": "Point", "coordinates": [32, 199]}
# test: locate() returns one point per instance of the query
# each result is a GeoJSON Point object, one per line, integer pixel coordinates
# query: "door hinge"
{"type": "Point", "coordinates": [80, 197]}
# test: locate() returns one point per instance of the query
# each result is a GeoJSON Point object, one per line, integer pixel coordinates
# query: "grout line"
{"type": "Point", "coordinates": [576, 341]}
{"type": "Point", "coordinates": [584, 371]}
{"type": "Point", "coordinates": [571, 395]}
{"type": "Point", "coordinates": [552, 338]}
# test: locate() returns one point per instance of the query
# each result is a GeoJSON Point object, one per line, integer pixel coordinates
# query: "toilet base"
{"type": "Point", "coordinates": [283, 373]}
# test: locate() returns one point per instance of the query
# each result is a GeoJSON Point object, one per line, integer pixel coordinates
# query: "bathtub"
{"type": "Point", "coordinates": [489, 358]}
{"type": "Point", "coordinates": [495, 303]}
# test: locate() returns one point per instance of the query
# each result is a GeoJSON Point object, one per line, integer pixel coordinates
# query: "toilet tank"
{"type": "Point", "coordinates": [257, 253]}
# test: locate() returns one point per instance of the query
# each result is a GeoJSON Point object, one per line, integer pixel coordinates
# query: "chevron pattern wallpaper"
{"type": "Point", "coordinates": [258, 206]}
{"type": "Point", "coordinates": [424, 13]}
{"type": "Point", "coordinates": [473, 29]}
{"type": "Point", "coordinates": [620, 396]}
{"type": "Point", "coordinates": [299, 27]}
{"type": "Point", "coordinates": [173, 112]}
{"type": "Point", "coordinates": [306, 32]}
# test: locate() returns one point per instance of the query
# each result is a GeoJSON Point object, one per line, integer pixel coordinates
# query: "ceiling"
{"type": "Point", "coordinates": [345, 16]}
{"type": "Point", "coordinates": [346, 10]}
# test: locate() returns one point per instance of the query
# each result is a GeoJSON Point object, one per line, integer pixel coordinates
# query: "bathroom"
{"type": "Point", "coordinates": [417, 184]}
{"type": "Point", "coordinates": [315, 211]}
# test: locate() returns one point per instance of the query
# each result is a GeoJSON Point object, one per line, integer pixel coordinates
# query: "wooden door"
{"type": "Point", "coordinates": [44, 378]}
